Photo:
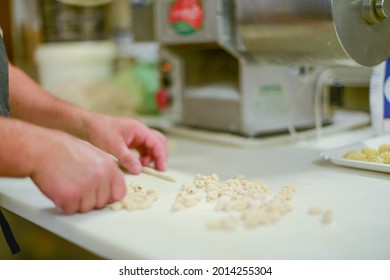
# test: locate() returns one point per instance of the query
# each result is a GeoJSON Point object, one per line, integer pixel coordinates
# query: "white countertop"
{"type": "Point", "coordinates": [360, 201]}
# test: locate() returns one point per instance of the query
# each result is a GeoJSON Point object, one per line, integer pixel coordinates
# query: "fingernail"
{"type": "Point", "coordinates": [136, 168]}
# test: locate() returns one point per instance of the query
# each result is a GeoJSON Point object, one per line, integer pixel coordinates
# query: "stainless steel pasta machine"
{"type": "Point", "coordinates": [251, 66]}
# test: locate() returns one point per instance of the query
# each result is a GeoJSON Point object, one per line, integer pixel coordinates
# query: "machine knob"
{"type": "Point", "coordinates": [162, 99]}
{"type": "Point", "coordinates": [375, 11]}
{"type": "Point", "coordinates": [382, 8]}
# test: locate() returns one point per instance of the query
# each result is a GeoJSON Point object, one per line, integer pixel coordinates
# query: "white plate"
{"type": "Point", "coordinates": [336, 155]}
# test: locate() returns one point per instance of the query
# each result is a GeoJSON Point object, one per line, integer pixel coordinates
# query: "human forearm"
{"type": "Point", "coordinates": [30, 102]}
{"type": "Point", "coordinates": [20, 147]}
{"type": "Point", "coordinates": [74, 175]}
{"type": "Point", "coordinates": [114, 135]}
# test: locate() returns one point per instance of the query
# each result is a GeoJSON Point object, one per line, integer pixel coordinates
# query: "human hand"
{"type": "Point", "coordinates": [118, 136]}
{"type": "Point", "coordinates": [76, 176]}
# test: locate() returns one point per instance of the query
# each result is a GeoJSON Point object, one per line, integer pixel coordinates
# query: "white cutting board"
{"type": "Point", "coordinates": [359, 200]}
{"type": "Point", "coordinates": [360, 229]}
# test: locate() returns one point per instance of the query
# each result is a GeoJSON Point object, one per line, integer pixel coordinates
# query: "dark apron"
{"type": "Point", "coordinates": [4, 112]}
{"type": "Point", "coordinates": [4, 102]}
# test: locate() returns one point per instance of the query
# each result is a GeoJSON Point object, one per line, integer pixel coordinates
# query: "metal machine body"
{"type": "Point", "coordinates": [244, 66]}
{"type": "Point", "coordinates": [212, 89]}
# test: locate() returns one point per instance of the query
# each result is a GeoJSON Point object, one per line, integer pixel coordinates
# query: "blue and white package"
{"type": "Point", "coordinates": [380, 98]}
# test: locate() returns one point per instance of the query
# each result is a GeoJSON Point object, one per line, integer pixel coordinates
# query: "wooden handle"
{"type": "Point", "coordinates": [157, 174]}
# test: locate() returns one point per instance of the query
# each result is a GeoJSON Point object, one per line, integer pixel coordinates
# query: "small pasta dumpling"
{"type": "Point", "coordinates": [384, 148]}
{"type": "Point", "coordinates": [386, 157]}
{"type": "Point", "coordinates": [375, 159]}
{"type": "Point", "coordinates": [355, 155]}
{"type": "Point", "coordinates": [369, 152]}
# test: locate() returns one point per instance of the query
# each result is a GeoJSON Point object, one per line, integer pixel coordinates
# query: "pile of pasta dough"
{"type": "Point", "coordinates": [250, 202]}
{"type": "Point", "coordinates": [136, 198]}
{"type": "Point", "coordinates": [379, 155]}
{"type": "Point", "coordinates": [237, 200]}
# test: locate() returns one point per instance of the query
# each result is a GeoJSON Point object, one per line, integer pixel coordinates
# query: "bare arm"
{"type": "Point", "coordinates": [20, 148]}
{"type": "Point", "coordinates": [117, 136]}
{"type": "Point", "coordinates": [76, 176]}
{"type": "Point", "coordinates": [73, 174]}
{"type": "Point", "coordinates": [30, 102]}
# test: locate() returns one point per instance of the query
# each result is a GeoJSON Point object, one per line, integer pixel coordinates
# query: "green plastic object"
{"type": "Point", "coordinates": [141, 82]}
